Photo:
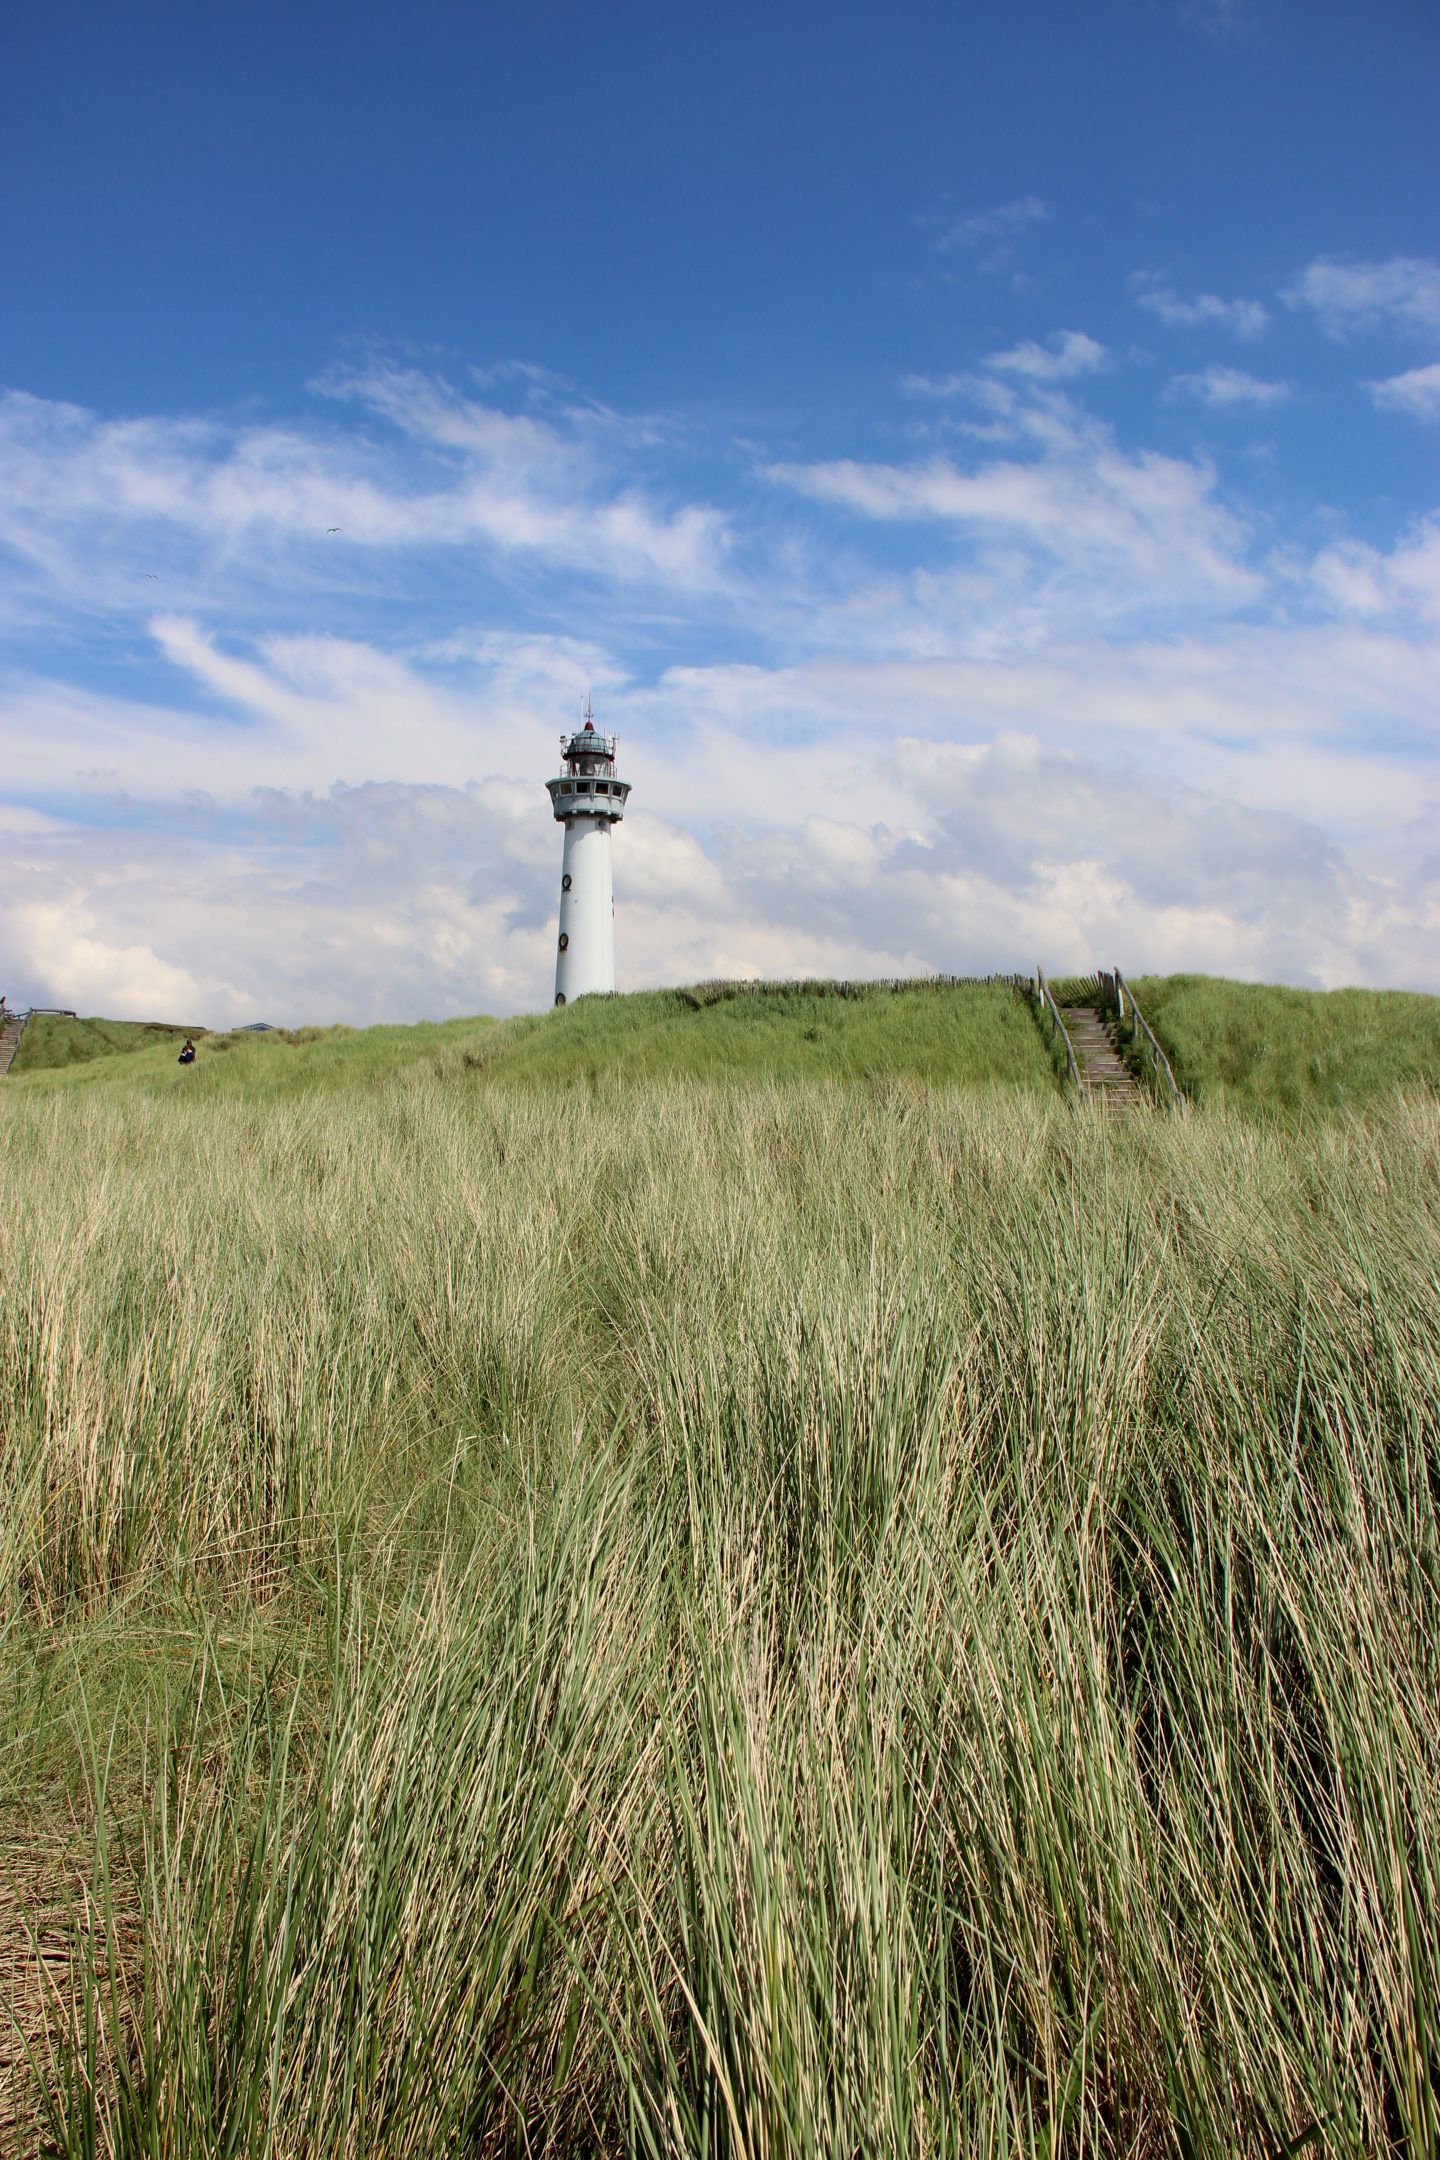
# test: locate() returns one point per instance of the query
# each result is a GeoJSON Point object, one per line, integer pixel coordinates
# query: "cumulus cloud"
{"type": "Point", "coordinates": [1416, 392]}
{"type": "Point", "coordinates": [1166, 803]}
{"type": "Point", "coordinates": [52, 941]}
{"type": "Point", "coordinates": [365, 903]}
{"type": "Point", "coordinates": [1402, 583]}
{"type": "Point", "coordinates": [1228, 386]}
{"type": "Point", "coordinates": [394, 900]}
{"type": "Point", "coordinates": [961, 712]}
{"type": "Point", "coordinates": [1403, 293]}
{"type": "Point", "coordinates": [1246, 318]}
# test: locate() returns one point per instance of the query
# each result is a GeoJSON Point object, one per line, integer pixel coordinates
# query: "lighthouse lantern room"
{"type": "Point", "coordinates": [587, 799]}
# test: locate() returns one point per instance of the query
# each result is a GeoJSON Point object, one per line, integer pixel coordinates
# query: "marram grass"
{"type": "Point", "coordinates": [1275, 1052]}
{"type": "Point", "coordinates": [687, 1619]}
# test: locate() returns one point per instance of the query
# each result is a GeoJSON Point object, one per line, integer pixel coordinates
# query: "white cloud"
{"type": "Point", "coordinates": [1163, 802]}
{"type": "Point", "coordinates": [395, 900]}
{"type": "Point", "coordinates": [156, 506]}
{"type": "Point", "coordinates": [1403, 292]}
{"type": "Point", "coordinates": [1070, 352]}
{"type": "Point", "coordinates": [428, 408]}
{"type": "Point", "coordinates": [1247, 318]}
{"type": "Point", "coordinates": [20, 818]}
{"type": "Point", "coordinates": [1003, 223]}
{"type": "Point", "coordinates": [949, 386]}
{"type": "Point", "coordinates": [1403, 584]}
{"type": "Point", "coordinates": [1228, 386]}
{"type": "Point", "coordinates": [1052, 702]}
{"type": "Point", "coordinates": [1416, 392]}
{"type": "Point", "coordinates": [52, 942]}
{"type": "Point", "coordinates": [1123, 529]}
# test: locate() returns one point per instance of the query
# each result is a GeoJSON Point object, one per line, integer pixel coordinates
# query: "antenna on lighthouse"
{"type": "Point", "coordinates": [587, 800]}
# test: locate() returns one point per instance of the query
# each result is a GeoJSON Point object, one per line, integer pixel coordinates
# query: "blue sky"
{"type": "Point", "coordinates": [982, 462]}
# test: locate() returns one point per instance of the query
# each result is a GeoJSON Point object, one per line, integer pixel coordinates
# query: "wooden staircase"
{"type": "Point", "coordinates": [1104, 1076]}
{"type": "Point", "coordinates": [10, 1035]}
{"type": "Point", "coordinates": [1095, 1037]}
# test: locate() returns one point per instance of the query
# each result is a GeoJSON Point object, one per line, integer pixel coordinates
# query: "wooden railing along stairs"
{"type": "Point", "coordinates": [10, 1035]}
{"type": "Point", "coordinates": [14, 1027]}
{"type": "Point", "coordinates": [1095, 1033]}
{"type": "Point", "coordinates": [1129, 1027]}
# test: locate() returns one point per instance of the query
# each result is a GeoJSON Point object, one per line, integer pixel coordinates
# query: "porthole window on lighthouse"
{"type": "Point", "coordinates": [564, 941]}
{"type": "Point", "coordinates": [566, 882]}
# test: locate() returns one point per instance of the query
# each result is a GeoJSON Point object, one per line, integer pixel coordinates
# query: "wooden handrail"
{"type": "Point", "coordinates": [9, 1051]}
{"type": "Point", "coordinates": [1122, 998]}
{"type": "Point", "coordinates": [1057, 1026]}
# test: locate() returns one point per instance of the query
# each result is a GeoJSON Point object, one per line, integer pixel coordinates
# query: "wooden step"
{"type": "Point", "coordinates": [1104, 1076]}
{"type": "Point", "coordinates": [10, 1035]}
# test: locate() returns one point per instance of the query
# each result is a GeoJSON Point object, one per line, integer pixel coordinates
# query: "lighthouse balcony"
{"type": "Point", "coordinates": [575, 797]}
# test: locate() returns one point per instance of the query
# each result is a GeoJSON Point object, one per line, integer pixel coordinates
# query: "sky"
{"type": "Point", "coordinates": [980, 460]}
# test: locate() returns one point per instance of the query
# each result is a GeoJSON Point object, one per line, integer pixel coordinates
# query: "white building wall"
{"type": "Point", "coordinates": [586, 959]}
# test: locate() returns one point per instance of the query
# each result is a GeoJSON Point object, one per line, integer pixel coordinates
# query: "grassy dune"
{"type": "Point", "coordinates": [811, 1617]}
{"type": "Point", "coordinates": [968, 1036]}
{"type": "Point", "coordinates": [1264, 1051]}
{"type": "Point", "coordinates": [52, 1040]}
{"type": "Point", "coordinates": [1273, 1051]}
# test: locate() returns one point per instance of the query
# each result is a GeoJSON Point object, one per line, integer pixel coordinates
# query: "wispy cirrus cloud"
{"type": "Point", "coordinates": [1416, 392]}
{"type": "Point", "coordinates": [1246, 318]}
{"type": "Point", "coordinates": [1119, 529]}
{"type": "Point", "coordinates": [1223, 20]}
{"type": "Point", "coordinates": [1228, 387]}
{"type": "Point", "coordinates": [175, 497]}
{"type": "Point", "coordinates": [1001, 224]}
{"type": "Point", "coordinates": [1064, 356]}
{"type": "Point", "coordinates": [1402, 292]}
{"type": "Point", "coordinates": [1068, 353]}
{"type": "Point", "coordinates": [942, 386]}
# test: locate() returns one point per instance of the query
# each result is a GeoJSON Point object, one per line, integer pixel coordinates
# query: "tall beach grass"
{"type": "Point", "coordinates": [1279, 1053]}
{"type": "Point", "coordinates": [682, 1618]}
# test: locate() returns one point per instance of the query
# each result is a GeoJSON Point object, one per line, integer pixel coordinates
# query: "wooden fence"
{"type": "Point", "coordinates": [713, 993]}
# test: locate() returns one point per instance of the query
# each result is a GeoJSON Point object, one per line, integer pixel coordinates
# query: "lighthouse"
{"type": "Point", "coordinates": [587, 799]}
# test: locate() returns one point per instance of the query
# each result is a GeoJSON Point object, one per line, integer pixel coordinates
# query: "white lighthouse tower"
{"type": "Point", "coordinates": [587, 799]}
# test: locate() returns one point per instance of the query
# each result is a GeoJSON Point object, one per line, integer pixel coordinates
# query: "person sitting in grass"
{"type": "Point", "coordinates": [187, 1055]}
